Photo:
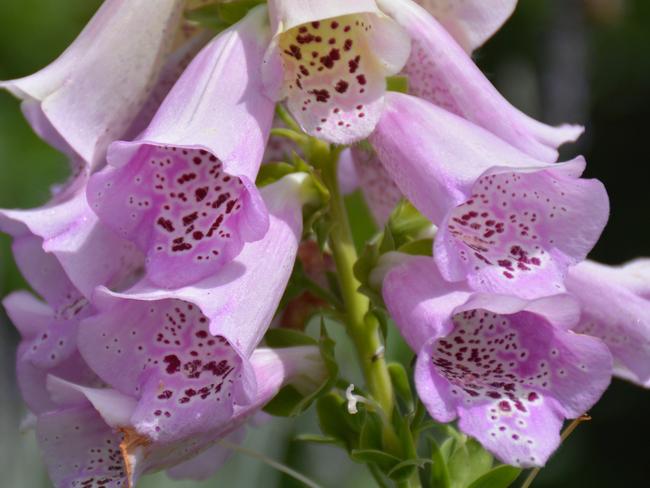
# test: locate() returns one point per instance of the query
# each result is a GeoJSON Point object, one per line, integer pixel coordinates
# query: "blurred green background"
{"type": "Point", "coordinates": [585, 61]}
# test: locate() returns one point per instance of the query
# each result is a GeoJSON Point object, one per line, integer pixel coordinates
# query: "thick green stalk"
{"type": "Point", "coordinates": [363, 331]}
{"type": "Point", "coordinates": [362, 328]}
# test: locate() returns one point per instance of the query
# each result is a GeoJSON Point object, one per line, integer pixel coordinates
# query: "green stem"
{"type": "Point", "coordinates": [363, 330]}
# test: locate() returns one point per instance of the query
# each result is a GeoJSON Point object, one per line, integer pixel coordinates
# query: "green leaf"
{"type": "Point", "coordinates": [500, 477]}
{"type": "Point", "coordinates": [316, 439]}
{"type": "Point", "coordinates": [272, 172]}
{"type": "Point", "coordinates": [400, 379]}
{"type": "Point", "coordinates": [371, 432]}
{"type": "Point", "coordinates": [420, 247]}
{"type": "Point", "coordinates": [233, 12]}
{"type": "Point", "coordinates": [439, 471]}
{"type": "Point", "coordinates": [290, 402]}
{"type": "Point", "coordinates": [286, 403]}
{"type": "Point", "coordinates": [397, 84]}
{"type": "Point", "coordinates": [279, 338]}
{"type": "Point", "coordinates": [467, 462]}
{"type": "Point", "coordinates": [332, 419]}
{"type": "Point", "coordinates": [405, 469]}
{"type": "Point", "coordinates": [386, 462]}
{"type": "Point", "coordinates": [406, 221]}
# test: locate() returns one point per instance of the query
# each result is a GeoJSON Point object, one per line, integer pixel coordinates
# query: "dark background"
{"type": "Point", "coordinates": [585, 61]}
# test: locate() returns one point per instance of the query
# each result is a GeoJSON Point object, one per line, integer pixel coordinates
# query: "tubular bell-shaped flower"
{"type": "Point", "coordinates": [89, 440]}
{"type": "Point", "coordinates": [509, 369]}
{"type": "Point", "coordinates": [507, 222]}
{"type": "Point", "coordinates": [616, 308]}
{"type": "Point", "coordinates": [64, 253]}
{"type": "Point", "coordinates": [48, 328]}
{"type": "Point", "coordinates": [440, 71]}
{"type": "Point", "coordinates": [183, 355]}
{"type": "Point", "coordinates": [184, 190]}
{"type": "Point", "coordinates": [89, 95]}
{"type": "Point", "coordinates": [471, 22]}
{"type": "Point", "coordinates": [330, 60]}
{"type": "Point", "coordinates": [89, 253]}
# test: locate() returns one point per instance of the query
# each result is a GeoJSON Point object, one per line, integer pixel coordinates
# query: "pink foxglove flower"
{"type": "Point", "coordinates": [439, 70]}
{"type": "Point", "coordinates": [330, 60]}
{"type": "Point", "coordinates": [183, 355]}
{"type": "Point", "coordinates": [89, 95]}
{"type": "Point", "coordinates": [49, 339]}
{"type": "Point", "coordinates": [616, 308]}
{"type": "Point", "coordinates": [88, 440]}
{"type": "Point", "coordinates": [509, 369]}
{"type": "Point", "coordinates": [89, 253]}
{"type": "Point", "coordinates": [64, 253]}
{"type": "Point", "coordinates": [471, 22]}
{"type": "Point", "coordinates": [507, 222]}
{"type": "Point", "coordinates": [184, 190]}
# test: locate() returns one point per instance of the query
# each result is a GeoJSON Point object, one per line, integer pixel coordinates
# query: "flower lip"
{"type": "Point", "coordinates": [332, 68]}
{"type": "Point", "coordinates": [521, 224]}
{"type": "Point", "coordinates": [506, 373]}
{"type": "Point", "coordinates": [180, 205]}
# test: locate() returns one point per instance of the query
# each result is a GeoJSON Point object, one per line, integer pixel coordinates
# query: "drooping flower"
{"type": "Point", "coordinates": [183, 355]}
{"type": "Point", "coordinates": [89, 441]}
{"type": "Point", "coordinates": [184, 190]}
{"type": "Point", "coordinates": [507, 222]}
{"type": "Point", "coordinates": [471, 22]}
{"type": "Point", "coordinates": [89, 95]}
{"type": "Point", "coordinates": [440, 71]}
{"type": "Point", "coordinates": [84, 252]}
{"type": "Point", "coordinates": [63, 252]}
{"type": "Point", "coordinates": [616, 308]}
{"type": "Point", "coordinates": [48, 327]}
{"type": "Point", "coordinates": [509, 369]}
{"type": "Point", "coordinates": [330, 60]}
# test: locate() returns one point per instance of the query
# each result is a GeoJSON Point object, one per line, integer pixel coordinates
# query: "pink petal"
{"type": "Point", "coordinates": [334, 60]}
{"type": "Point", "coordinates": [89, 95]}
{"type": "Point", "coordinates": [471, 22]}
{"type": "Point", "coordinates": [440, 71]}
{"type": "Point", "coordinates": [184, 192]}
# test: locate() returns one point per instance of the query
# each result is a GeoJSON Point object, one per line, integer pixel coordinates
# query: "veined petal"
{"type": "Point", "coordinates": [184, 191]}
{"type": "Point", "coordinates": [48, 345]}
{"type": "Point", "coordinates": [89, 438]}
{"type": "Point", "coordinates": [471, 22]}
{"type": "Point", "coordinates": [507, 222]}
{"type": "Point", "coordinates": [196, 341]}
{"type": "Point", "coordinates": [420, 300]}
{"type": "Point", "coordinates": [330, 61]}
{"type": "Point", "coordinates": [76, 248]}
{"type": "Point", "coordinates": [440, 71]}
{"type": "Point", "coordinates": [615, 310]}
{"type": "Point", "coordinates": [379, 190]}
{"type": "Point", "coordinates": [89, 95]}
{"type": "Point", "coordinates": [204, 465]}
{"type": "Point", "coordinates": [80, 449]}
{"type": "Point", "coordinates": [508, 368]}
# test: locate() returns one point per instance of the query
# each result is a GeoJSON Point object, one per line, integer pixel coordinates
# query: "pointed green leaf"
{"type": "Point", "coordinates": [439, 471]}
{"type": "Point", "coordinates": [316, 439]}
{"type": "Point", "coordinates": [500, 477]}
{"type": "Point", "coordinates": [400, 379]}
{"type": "Point", "coordinates": [405, 469]}
{"type": "Point", "coordinates": [468, 462]}
{"type": "Point", "coordinates": [279, 338]}
{"type": "Point", "coordinates": [384, 461]}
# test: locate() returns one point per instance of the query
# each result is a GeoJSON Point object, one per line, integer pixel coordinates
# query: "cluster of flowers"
{"type": "Point", "coordinates": [161, 264]}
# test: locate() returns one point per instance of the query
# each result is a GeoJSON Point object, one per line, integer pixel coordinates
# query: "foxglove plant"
{"type": "Point", "coordinates": [173, 262]}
